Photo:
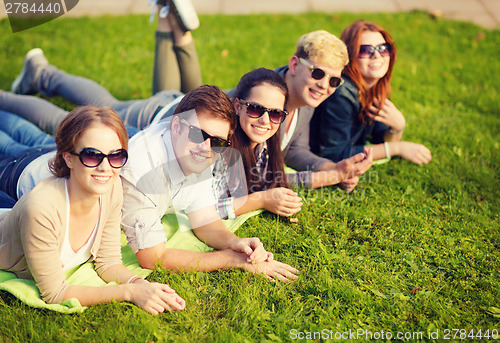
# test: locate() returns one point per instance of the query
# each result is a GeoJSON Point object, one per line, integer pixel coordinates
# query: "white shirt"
{"type": "Point", "coordinates": [288, 134]}
{"type": "Point", "coordinates": [36, 171]}
{"type": "Point", "coordinates": [154, 184]}
{"type": "Point", "coordinates": [69, 257]}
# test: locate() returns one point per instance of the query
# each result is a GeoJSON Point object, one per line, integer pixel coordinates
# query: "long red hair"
{"type": "Point", "coordinates": [382, 89]}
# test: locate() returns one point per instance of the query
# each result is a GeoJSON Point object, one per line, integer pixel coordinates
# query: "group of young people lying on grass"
{"type": "Point", "coordinates": [193, 149]}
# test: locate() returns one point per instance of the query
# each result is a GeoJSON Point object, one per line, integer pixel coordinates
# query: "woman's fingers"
{"type": "Point", "coordinates": [171, 302]}
{"type": "Point", "coordinates": [284, 273]}
{"type": "Point", "coordinates": [287, 211]}
{"type": "Point", "coordinates": [161, 297]}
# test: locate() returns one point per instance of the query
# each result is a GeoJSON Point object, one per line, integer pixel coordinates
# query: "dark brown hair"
{"type": "Point", "coordinates": [74, 125]}
{"type": "Point", "coordinates": [210, 99]}
{"type": "Point", "coordinates": [381, 91]}
{"type": "Point", "coordinates": [275, 175]}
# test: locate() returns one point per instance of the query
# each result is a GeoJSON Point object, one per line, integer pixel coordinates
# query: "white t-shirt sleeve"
{"type": "Point", "coordinates": [34, 173]}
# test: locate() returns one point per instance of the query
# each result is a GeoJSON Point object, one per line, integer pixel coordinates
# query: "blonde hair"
{"type": "Point", "coordinates": [323, 48]}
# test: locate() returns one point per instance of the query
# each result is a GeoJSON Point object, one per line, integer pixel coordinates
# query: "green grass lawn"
{"type": "Point", "coordinates": [415, 249]}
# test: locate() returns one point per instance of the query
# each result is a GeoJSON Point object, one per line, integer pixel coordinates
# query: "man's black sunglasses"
{"type": "Point", "coordinates": [319, 74]}
{"type": "Point", "coordinates": [197, 135]}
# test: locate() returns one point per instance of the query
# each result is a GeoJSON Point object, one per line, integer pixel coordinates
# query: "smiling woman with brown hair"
{"type": "Point", "coordinates": [74, 217]}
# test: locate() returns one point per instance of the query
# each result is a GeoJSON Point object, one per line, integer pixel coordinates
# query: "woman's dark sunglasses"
{"type": "Point", "coordinates": [91, 157]}
{"type": "Point", "coordinates": [197, 135]}
{"type": "Point", "coordinates": [319, 74]}
{"type": "Point", "coordinates": [367, 51]}
{"type": "Point", "coordinates": [257, 111]}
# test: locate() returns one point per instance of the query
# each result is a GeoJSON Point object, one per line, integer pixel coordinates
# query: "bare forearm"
{"type": "Point", "coordinates": [326, 178]}
{"type": "Point", "coordinates": [249, 203]}
{"type": "Point", "coordinates": [393, 137]}
{"type": "Point", "coordinates": [87, 295]}
{"type": "Point", "coordinates": [97, 295]}
{"type": "Point", "coordinates": [185, 260]}
{"type": "Point", "coordinates": [117, 273]}
{"type": "Point", "coordinates": [326, 175]}
{"type": "Point", "coordinates": [216, 235]}
{"type": "Point", "coordinates": [379, 151]}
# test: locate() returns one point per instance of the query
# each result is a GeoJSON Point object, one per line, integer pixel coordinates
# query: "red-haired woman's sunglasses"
{"type": "Point", "coordinates": [367, 51]}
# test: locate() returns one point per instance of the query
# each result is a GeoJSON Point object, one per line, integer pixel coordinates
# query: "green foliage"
{"type": "Point", "coordinates": [414, 248]}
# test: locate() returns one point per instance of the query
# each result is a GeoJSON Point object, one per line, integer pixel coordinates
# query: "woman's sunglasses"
{"type": "Point", "coordinates": [256, 111]}
{"type": "Point", "coordinates": [91, 157]}
{"type": "Point", "coordinates": [367, 51]}
{"type": "Point", "coordinates": [319, 74]}
{"type": "Point", "coordinates": [197, 135]}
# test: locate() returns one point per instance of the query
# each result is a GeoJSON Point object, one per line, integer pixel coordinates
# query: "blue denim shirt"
{"type": "Point", "coordinates": [336, 130]}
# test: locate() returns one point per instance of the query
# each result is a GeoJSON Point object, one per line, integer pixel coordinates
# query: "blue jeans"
{"type": "Point", "coordinates": [80, 91]}
{"type": "Point", "coordinates": [40, 112]}
{"type": "Point", "coordinates": [21, 142]}
{"type": "Point", "coordinates": [11, 168]}
{"type": "Point", "coordinates": [18, 135]}
{"type": "Point", "coordinates": [6, 201]}
{"type": "Point", "coordinates": [176, 70]}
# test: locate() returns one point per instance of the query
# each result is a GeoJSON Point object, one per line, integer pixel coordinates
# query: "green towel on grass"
{"type": "Point", "coordinates": [85, 275]}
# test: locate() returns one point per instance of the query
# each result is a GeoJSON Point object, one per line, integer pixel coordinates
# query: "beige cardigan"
{"type": "Point", "coordinates": [31, 236]}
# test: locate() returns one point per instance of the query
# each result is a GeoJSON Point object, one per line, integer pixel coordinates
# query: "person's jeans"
{"type": "Point", "coordinates": [175, 67]}
{"type": "Point", "coordinates": [11, 168]}
{"type": "Point", "coordinates": [176, 70]}
{"type": "Point", "coordinates": [82, 91]}
{"type": "Point", "coordinates": [6, 201]}
{"type": "Point", "coordinates": [18, 135]}
{"type": "Point", "coordinates": [40, 112]}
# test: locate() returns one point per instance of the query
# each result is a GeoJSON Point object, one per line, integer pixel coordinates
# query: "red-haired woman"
{"type": "Point", "coordinates": [75, 216]}
{"type": "Point", "coordinates": [360, 110]}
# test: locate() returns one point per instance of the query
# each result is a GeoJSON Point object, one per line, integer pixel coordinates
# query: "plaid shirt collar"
{"type": "Point", "coordinates": [261, 157]}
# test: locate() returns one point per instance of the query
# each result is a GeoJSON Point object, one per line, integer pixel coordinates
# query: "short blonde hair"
{"type": "Point", "coordinates": [324, 48]}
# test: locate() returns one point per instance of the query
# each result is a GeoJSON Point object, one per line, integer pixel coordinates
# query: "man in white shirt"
{"type": "Point", "coordinates": [168, 170]}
